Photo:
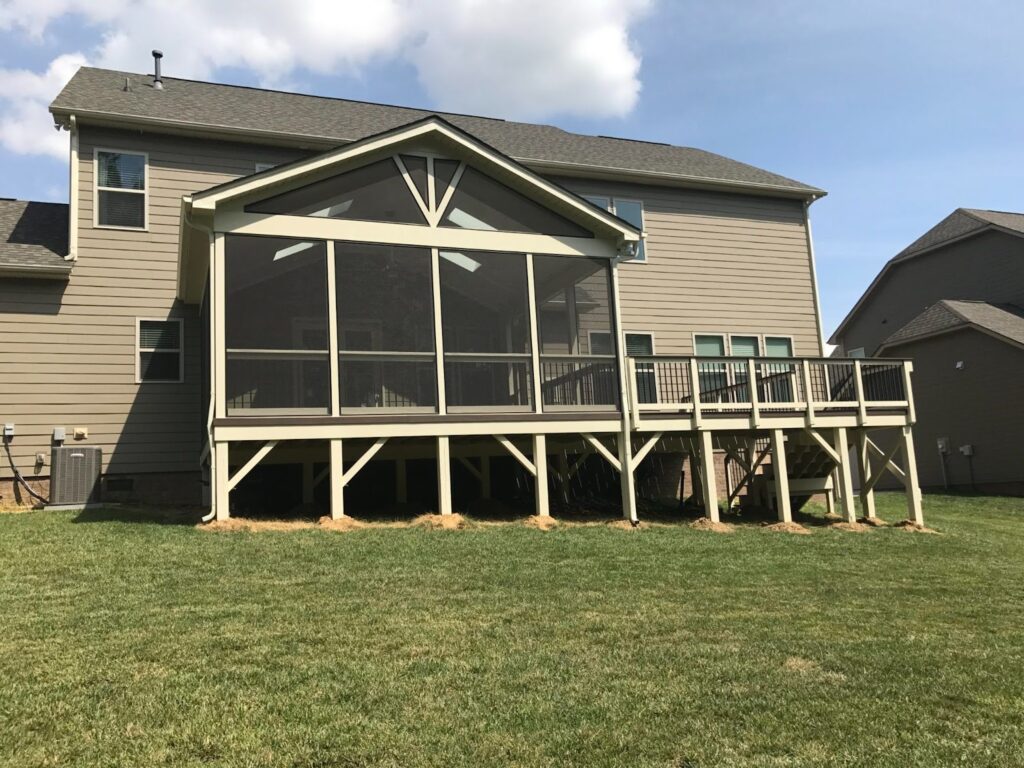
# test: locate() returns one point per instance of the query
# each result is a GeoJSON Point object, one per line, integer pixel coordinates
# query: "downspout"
{"type": "Point", "coordinates": [73, 195]}
{"type": "Point", "coordinates": [208, 448]}
{"type": "Point", "coordinates": [814, 275]}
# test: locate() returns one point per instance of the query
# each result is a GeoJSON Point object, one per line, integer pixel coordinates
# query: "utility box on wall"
{"type": "Point", "coordinates": [75, 475]}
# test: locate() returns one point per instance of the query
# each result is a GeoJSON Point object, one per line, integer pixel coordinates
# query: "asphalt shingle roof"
{"type": "Point", "coordinates": [213, 105]}
{"type": "Point", "coordinates": [962, 222]}
{"type": "Point", "coordinates": [1004, 320]}
{"type": "Point", "coordinates": [34, 236]}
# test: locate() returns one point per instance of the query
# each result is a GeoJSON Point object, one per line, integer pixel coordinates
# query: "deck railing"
{"type": "Point", "coordinates": [766, 385]}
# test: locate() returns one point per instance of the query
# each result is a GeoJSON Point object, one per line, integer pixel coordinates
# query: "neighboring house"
{"type": "Point", "coordinates": [953, 302]}
{"type": "Point", "coordinates": [320, 293]}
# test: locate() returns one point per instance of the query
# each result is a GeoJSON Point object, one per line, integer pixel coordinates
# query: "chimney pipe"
{"type": "Point", "coordinates": [158, 81]}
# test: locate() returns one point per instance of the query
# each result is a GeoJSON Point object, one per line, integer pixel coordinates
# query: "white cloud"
{"type": "Point", "coordinates": [25, 125]}
{"type": "Point", "coordinates": [527, 59]}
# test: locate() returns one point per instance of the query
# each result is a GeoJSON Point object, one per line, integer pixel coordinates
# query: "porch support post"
{"type": "Point", "coordinates": [540, 462]}
{"type": "Point", "coordinates": [627, 481]}
{"type": "Point", "coordinates": [435, 279]}
{"type": "Point", "coordinates": [844, 475]}
{"type": "Point", "coordinates": [485, 476]}
{"type": "Point", "coordinates": [914, 512]}
{"type": "Point", "coordinates": [781, 472]}
{"type": "Point", "coordinates": [337, 481]}
{"type": "Point", "coordinates": [401, 482]}
{"type": "Point", "coordinates": [444, 476]}
{"type": "Point", "coordinates": [867, 492]}
{"type": "Point", "coordinates": [709, 483]}
{"type": "Point", "coordinates": [219, 477]}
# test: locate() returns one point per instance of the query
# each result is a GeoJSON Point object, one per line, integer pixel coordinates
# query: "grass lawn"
{"type": "Point", "coordinates": [132, 643]}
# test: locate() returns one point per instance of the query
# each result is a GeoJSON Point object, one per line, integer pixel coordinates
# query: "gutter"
{"type": "Point", "coordinates": [27, 270]}
{"type": "Point", "coordinates": [314, 141]}
{"type": "Point", "coordinates": [73, 192]}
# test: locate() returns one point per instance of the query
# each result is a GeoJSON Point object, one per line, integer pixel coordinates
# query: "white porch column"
{"type": "Point", "coordinates": [337, 480]}
{"type": "Point", "coordinates": [781, 473]}
{"type": "Point", "coordinates": [219, 478]}
{"type": "Point", "coordinates": [540, 463]}
{"type": "Point", "coordinates": [867, 494]}
{"type": "Point", "coordinates": [444, 476]}
{"type": "Point", "coordinates": [709, 482]}
{"type": "Point", "coordinates": [914, 511]}
{"type": "Point", "coordinates": [844, 475]}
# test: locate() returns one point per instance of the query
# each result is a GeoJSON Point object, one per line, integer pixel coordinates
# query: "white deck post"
{"type": "Point", "coordinates": [709, 482]}
{"type": "Point", "coordinates": [781, 472]}
{"type": "Point", "coordinates": [337, 481]}
{"type": "Point", "coordinates": [219, 478]}
{"type": "Point", "coordinates": [914, 512]}
{"type": "Point", "coordinates": [485, 476]}
{"type": "Point", "coordinates": [401, 482]}
{"type": "Point", "coordinates": [540, 462]}
{"type": "Point", "coordinates": [626, 480]}
{"type": "Point", "coordinates": [845, 476]}
{"type": "Point", "coordinates": [444, 475]}
{"type": "Point", "coordinates": [867, 493]}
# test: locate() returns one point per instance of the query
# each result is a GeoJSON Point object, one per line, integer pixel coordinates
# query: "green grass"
{"type": "Point", "coordinates": [131, 643]}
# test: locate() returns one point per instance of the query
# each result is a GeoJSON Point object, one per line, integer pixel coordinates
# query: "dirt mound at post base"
{"type": "Point", "coordinates": [707, 524]}
{"type": "Point", "coordinates": [786, 528]}
{"type": "Point", "coordinates": [433, 521]}
{"type": "Point", "coordinates": [541, 522]}
{"type": "Point", "coordinates": [910, 525]}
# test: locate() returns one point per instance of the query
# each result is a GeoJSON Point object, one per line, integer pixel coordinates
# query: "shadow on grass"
{"type": "Point", "coordinates": [147, 515]}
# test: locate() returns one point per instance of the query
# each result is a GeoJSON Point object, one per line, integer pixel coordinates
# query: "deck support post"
{"type": "Point", "coordinates": [401, 482]}
{"type": "Point", "coordinates": [540, 463]}
{"type": "Point", "coordinates": [845, 475]}
{"type": "Point", "coordinates": [444, 476]}
{"type": "Point", "coordinates": [563, 475]}
{"type": "Point", "coordinates": [914, 512]}
{"type": "Point", "coordinates": [627, 481]}
{"type": "Point", "coordinates": [307, 482]}
{"type": "Point", "coordinates": [709, 483]}
{"type": "Point", "coordinates": [219, 476]}
{"type": "Point", "coordinates": [867, 492]}
{"type": "Point", "coordinates": [337, 480]}
{"type": "Point", "coordinates": [830, 497]}
{"type": "Point", "coordinates": [781, 471]}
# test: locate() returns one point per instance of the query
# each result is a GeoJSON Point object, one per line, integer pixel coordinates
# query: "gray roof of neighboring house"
{"type": "Point", "coordinates": [960, 223]}
{"type": "Point", "coordinates": [293, 116]}
{"type": "Point", "coordinates": [33, 238]}
{"type": "Point", "coordinates": [1004, 320]}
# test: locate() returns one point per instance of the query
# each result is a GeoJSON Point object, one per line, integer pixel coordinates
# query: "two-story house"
{"type": "Point", "coordinates": [953, 302]}
{"type": "Point", "coordinates": [267, 291]}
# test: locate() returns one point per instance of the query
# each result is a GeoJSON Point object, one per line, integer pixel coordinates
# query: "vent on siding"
{"type": "Point", "coordinates": [75, 475]}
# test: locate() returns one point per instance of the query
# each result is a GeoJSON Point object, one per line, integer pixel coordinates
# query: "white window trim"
{"type": "Point", "coordinates": [856, 353]}
{"type": "Point", "coordinates": [590, 341]}
{"type": "Point", "coordinates": [139, 350]}
{"type": "Point", "coordinates": [96, 189]}
{"type": "Point", "coordinates": [766, 336]}
{"type": "Point", "coordinates": [723, 336]}
{"type": "Point", "coordinates": [628, 332]}
{"type": "Point", "coordinates": [762, 346]}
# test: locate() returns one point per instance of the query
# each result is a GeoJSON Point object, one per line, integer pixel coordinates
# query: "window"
{"type": "Point", "coordinates": [485, 322]}
{"type": "Point", "coordinates": [642, 345]}
{"type": "Point", "coordinates": [385, 326]}
{"type": "Point", "coordinates": [856, 352]}
{"type": "Point", "coordinates": [275, 325]}
{"type": "Point", "coordinates": [573, 309]}
{"type": "Point", "coordinates": [159, 351]}
{"type": "Point", "coordinates": [120, 189]}
{"type": "Point", "coordinates": [779, 378]}
{"type": "Point", "coordinates": [375, 192]}
{"type": "Point", "coordinates": [627, 210]}
{"type": "Point", "coordinates": [778, 346]}
{"type": "Point", "coordinates": [260, 167]}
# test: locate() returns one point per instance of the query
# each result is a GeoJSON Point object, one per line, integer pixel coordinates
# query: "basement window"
{"type": "Point", "coordinates": [121, 189]}
{"type": "Point", "coordinates": [160, 356]}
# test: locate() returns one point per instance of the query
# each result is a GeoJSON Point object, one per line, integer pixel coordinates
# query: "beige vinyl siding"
{"type": "Point", "coordinates": [716, 263]}
{"type": "Point", "coordinates": [68, 349]}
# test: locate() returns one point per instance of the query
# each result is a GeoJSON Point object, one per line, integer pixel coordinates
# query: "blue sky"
{"type": "Point", "coordinates": [902, 112]}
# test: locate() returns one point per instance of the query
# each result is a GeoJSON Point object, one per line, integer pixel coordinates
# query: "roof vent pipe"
{"type": "Point", "coordinates": [158, 82]}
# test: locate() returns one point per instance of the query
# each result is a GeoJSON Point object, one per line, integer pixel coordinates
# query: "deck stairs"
{"type": "Point", "coordinates": [809, 469]}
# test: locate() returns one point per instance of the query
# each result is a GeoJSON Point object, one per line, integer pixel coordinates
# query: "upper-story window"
{"type": "Point", "coordinates": [120, 189]}
{"type": "Point", "coordinates": [627, 210]}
